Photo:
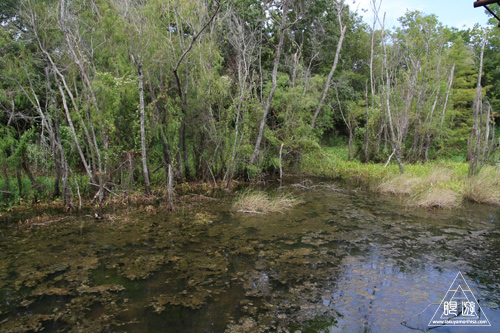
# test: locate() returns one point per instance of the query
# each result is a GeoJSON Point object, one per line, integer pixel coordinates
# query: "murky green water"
{"type": "Point", "coordinates": [343, 260]}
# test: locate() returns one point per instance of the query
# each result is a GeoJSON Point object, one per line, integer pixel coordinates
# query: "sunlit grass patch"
{"type": "Point", "coordinates": [436, 197]}
{"type": "Point", "coordinates": [440, 183]}
{"type": "Point", "coordinates": [259, 202]}
{"type": "Point", "coordinates": [484, 187]}
{"type": "Point", "coordinates": [427, 186]}
{"type": "Point", "coordinates": [438, 177]}
{"type": "Point", "coordinates": [401, 184]}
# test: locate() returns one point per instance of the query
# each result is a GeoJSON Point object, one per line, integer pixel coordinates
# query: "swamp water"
{"type": "Point", "coordinates": [342, 260]}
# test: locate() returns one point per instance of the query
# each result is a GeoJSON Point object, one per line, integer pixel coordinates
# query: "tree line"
{"type": "Point", "coordinates": [99, 96]}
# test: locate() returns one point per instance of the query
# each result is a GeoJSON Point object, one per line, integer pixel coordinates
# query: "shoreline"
{"type": "Point", "coordinates": [435, 184]}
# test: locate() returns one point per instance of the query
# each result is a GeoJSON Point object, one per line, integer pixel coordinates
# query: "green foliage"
{"type": "Point", "coordinates": [423, 183]}
{"type": "Point", "coordinates": [218, 93]}
{"type": "Point", "coordinates": [21, 147]}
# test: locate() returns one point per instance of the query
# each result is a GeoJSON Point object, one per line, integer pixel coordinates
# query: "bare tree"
{"type": "Point", "coordinates": [395, 142]}
{"type": "Point", "coordinates": [134, 13]}
{"type": "Point", "coordinates": [475, 140]}
{"type": "Point", "coordinates": [340, 9]}
{"type": "Point", "coordinates": [61, 84]}
{"type": "Point", "coordinates": [244, 43]}
{"type": "Point", "coordinates": [375, 10]}
{"type": "Point", "coordinates": [274, 75]}
{"type": "Point", "coordinates": [71, 35]}
{"type": "Point", "coordinates": [183, 92]}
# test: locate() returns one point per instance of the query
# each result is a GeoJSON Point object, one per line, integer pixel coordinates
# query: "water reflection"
{"type": "Point", "coordinates": [343, 260]}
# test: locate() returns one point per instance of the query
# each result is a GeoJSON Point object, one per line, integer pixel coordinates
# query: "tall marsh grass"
{"type": "Point", "coordinates": [441, 184]}
{"type": "Point", "coordinates": [436, 198]}
{"type": "Point", "coordinates": [484, 187]}
{"type": "Point", "coordinates": [401, 184]}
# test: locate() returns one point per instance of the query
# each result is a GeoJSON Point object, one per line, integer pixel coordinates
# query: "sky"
{"type": "Point", "coordinates": [453, 13]}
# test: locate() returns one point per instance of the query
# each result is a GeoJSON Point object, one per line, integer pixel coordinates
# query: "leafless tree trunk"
{"type": "Point", "coordinates": [274, 82]}
{"type": "Point", "coordinates": [475, 139]}
{"type": "Point", "coordinates": [487, 136]}
{"type": "Point", "coordinates": [367, 119]}
{"type": "Point", "coordinates": [58, 150]}
{"type": "Point", "coordinates": [183, 94]}
{"type": "Point", "coordinates": [429, 120]}
{"type": "Point", "coordinates": [244, 43]}
{"type": "Point", "coordinates": [138, 43]}
{"type": "Point", "coordinates": [170, 188]}
{"type": "Point", "coordinates": [50, 104]}
{"type": "Point", "coordinates": [54, 135]}
{"type": "Point", "coordinates": [62, 86]}
{"type": "Point", "coordinates": [450, 82]}
{"type": "Point", "coordinates": [395, 142]}
{"type": "Point", "coordinates": [142, 112]}
{"type": "Point", "coordinates": [281, 164]}
{"type": "Point", "coordinates": [334, 65]}
{"type": "Point", "coordinates": [79, 60]}
{"type": "Point", "coordinates": [375, 10]}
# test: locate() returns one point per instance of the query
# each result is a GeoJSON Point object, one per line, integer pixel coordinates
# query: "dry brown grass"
{"type": "Point", "coordinates": [399, 185]}
{"type": "Point", "coordinates": [438, 176]}
{"type": "Point", "coordinates": [436, 198]}
{"type": "Point", "coordinates": [483, 188]}
{"type": "Point", "coordinates": [425, 191]}
{"type": "Point", "coordinates": [259, 202]}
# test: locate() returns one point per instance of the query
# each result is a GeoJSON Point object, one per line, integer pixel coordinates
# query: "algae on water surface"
{"type": "Point", "coordinates": [343, 258]}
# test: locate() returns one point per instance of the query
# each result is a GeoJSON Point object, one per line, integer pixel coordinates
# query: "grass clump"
{"type": "Point", "coordinates": [437, 189]}
{"type": "Point", "coordinates": [426, 187]}
{"type": "Point", "coordinates": [484, 187]}
{"type": "Point", "coordinates": [259, 202]}
{"type": "Point", "coordinates": [436, 197]}
{"type": "Point", "coordinates": [401, 184]}
{"type": "Point", "coordinates": [434, 184]}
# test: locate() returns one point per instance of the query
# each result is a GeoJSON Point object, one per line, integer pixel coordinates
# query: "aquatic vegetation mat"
{"type": "Point", "coordinates": [332, 262]}
{"type": "Point", "coordinates": [260, 202]}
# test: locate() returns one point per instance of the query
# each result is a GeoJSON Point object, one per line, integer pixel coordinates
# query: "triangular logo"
{"type": "Point", "coordinates": [459, 307]}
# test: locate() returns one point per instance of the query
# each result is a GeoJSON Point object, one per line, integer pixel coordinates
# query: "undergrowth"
{"type": "Point", "coordinates": [441, 183]}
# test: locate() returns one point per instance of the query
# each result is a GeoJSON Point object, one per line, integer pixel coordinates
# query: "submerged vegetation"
{"type": "Point", "coordinates": [332, 260]}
